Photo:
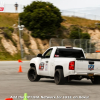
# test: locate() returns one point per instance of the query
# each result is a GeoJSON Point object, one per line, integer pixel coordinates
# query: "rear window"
{"type": "Point", "coordinates": [73, 53]}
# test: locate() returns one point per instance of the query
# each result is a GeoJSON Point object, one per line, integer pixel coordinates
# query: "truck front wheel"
{"type": "Point", "coordinates": [59, 77]}
{"type": "Point", "coordinates": [32, 75]}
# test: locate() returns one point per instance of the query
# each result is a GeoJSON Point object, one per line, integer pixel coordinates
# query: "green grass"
{"type": "Point", "coordinates": [6, 56]}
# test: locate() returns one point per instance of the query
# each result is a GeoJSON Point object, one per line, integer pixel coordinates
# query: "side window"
{"type": "Point", "coordinates": [47, 54]}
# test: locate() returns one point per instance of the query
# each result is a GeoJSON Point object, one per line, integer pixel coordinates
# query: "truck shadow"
{"type": "Point", "coordinates": [77, 83]}
{"type": "Point", "coordinates": [47, 81]}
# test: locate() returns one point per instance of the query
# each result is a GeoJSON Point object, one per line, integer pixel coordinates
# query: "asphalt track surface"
{"type": "Point", "coordinates": [16, 84]}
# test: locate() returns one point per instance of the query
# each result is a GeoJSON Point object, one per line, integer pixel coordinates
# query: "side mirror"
{"type": "Point", "coordinates": [39, 55]}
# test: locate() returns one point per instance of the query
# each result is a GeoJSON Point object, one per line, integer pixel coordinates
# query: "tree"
{"type": "Point", "coordinates": [42, 18]}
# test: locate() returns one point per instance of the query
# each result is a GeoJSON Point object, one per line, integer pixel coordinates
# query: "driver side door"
{"type": "Point", "coordinates": [44, 65]}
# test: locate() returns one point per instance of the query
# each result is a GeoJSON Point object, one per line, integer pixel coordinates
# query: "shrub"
{"type": "Point", "coordinates": [85, 36]}
{"type": "Point", "coordinates": [11, 29]}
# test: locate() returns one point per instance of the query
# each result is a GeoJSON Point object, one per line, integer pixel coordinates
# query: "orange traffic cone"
{"type": "Point", "coordinates": [20, 69]}
{"type": "Point", "coordinates": [19, 61]}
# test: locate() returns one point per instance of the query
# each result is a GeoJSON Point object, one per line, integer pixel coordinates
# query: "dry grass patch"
{"type": "Point", "coordinates": [79, 21]}
{"type": "Point", "coordinates": [8, 19]}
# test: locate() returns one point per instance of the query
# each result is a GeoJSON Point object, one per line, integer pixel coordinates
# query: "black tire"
{"type": "Point", "coordinates": [96, 80]}
{"type": "Point", "coordinates": [32, 75]}
{"type": "Point", "coordinates": [59, 77]}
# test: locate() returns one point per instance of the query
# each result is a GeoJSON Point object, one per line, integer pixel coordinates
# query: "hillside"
{"type": "Point", "coordinates": [85, 24]}
{"type": "Point", "coordinates": [9, 36]}
{"type": "Point", "coordinates": [10, 47]}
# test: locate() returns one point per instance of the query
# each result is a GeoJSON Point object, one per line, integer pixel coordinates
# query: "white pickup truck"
{"type": "Point", "coordinates": [64, 64]}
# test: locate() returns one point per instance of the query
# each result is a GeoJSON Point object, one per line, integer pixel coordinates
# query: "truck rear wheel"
{"type": "Point", "coordinates": [59, 77]}
{"type": "Point", "coordinates": [32, 75]}
{"type": "Point", "coordinates": [96, 80]}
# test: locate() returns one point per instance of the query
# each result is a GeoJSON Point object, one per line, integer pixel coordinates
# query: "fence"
{"type": "Point", "coordinates": [89, 45]}
{"type": "Point", "coordinates": [78, 14]}
{"type": "Point", "coordinates": [11, 9]}
{"type": "Point", "coordinates": [31, 53]}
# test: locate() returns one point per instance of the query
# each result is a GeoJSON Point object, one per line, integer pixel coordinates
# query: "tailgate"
{"type": "Point", "coordinates": [87, 66]}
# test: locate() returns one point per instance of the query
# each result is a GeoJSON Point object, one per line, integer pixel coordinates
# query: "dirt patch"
{"type": "Point", "coordinates": [92, 55]}
{"type": "Point", "coordinates": [33, 46]}
{"type": "Point", "coordinates": [95, 34]}
{"type": "Point", "coordinates": [43, 44]}
{"type": "Point", "coordinates": [8, 45]}
{"type": "Point", "coordinates": [95, 37]}
{"type": "Point", "coordinates": [16, 39]}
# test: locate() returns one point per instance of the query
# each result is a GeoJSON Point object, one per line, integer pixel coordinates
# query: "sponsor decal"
{"type": "Point", "coordinates": [41, 66]}
{"type": "Point", "coordinates": [56, 55]}
{"type": "Point", "coordinates": [91, 67]}
{"type": "Point", "coordinates": [46, 67]}
{"type": "Point", "coordinates": [1, 6]}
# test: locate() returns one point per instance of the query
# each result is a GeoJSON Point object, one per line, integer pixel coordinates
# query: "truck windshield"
{"type": "Point", "coordinates": [69, 53]}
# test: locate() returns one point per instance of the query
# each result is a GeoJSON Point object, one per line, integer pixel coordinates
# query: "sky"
{"type": "Point", "coordinates": [91, 7]}
{"type": "Point", "coordinates": [61, 4]}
